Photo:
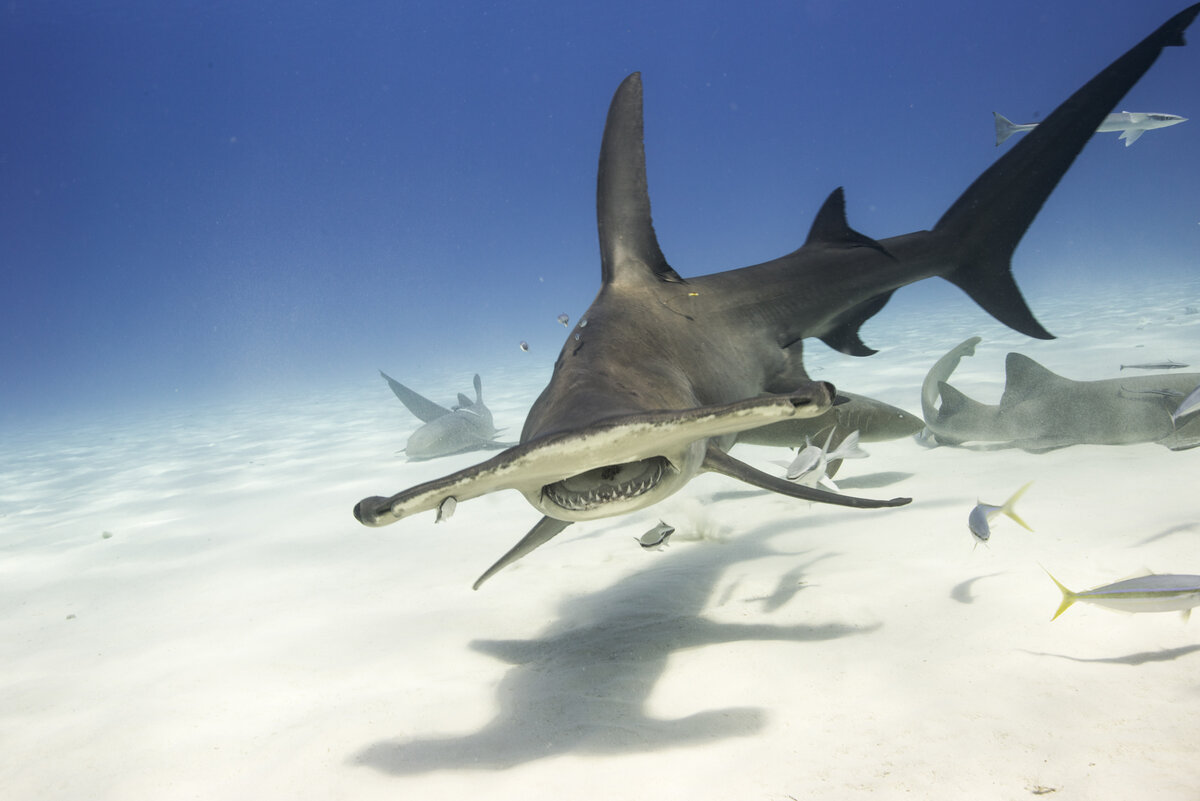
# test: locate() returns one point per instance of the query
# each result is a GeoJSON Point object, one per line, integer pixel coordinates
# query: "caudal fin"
{"type": "Point", "coordinates": [1009, 507]}
{"type": "Point", "coordinates": [1004, 127]}
{"type": "Point", "coordinates": [1068, 597]}
{"type": "Point", "coordinates": [983, 227]}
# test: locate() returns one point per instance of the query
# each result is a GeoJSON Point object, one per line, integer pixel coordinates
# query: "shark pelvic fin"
{"type": "Point", "coordinates": [717, 461]}
{"type": "Point", "coordinates": [546, 529]}
{"type": "Point", "coordinates": [629, 249]}
{"type": "Point", "coordinates": [842, 333]}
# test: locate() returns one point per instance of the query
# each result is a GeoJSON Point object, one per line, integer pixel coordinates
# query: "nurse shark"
{"type": "Point", "coordinates": [662, 373]}
{"type": "Point", "coordinates": [466, 427]}
{"type": "Point", "coordinates": [1042, 411]}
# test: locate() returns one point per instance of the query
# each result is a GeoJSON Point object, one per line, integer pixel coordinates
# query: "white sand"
{"type": "Point", "coordinates": [240, 636]}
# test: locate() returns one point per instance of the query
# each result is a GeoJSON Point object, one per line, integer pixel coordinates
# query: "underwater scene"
{"type": "Point", "coordinates": [501, 400]}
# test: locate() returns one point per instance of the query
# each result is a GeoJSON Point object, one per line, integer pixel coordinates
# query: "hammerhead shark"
{"type": "Point", "coordinates": [662, 373]}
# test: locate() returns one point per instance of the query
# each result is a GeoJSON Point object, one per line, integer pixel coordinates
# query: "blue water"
{"type": "Point", "coordinates": [219, 220]}
{"type": "Point", "coordinates": [202, 200]}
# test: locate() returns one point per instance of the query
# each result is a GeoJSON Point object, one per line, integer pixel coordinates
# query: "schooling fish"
{"type": "Point", "coordinates": [656, 538]}
{"type": "Point", "coordinates": [978, 520]}
{"type": "Point", "coordinates": [1165, 592]}
{"type": "Point", "coordinates": [1167, 365]}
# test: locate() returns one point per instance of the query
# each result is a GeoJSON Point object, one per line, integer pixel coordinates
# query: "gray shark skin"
{"type": "Point", "coordinates": [467, 427]}
{"type": "Point", "coordinates": [1042, 411]}
{"type": "Point", "coordinates": [661, 374]}
{"type": "Point", "coordinates": [875, 421]}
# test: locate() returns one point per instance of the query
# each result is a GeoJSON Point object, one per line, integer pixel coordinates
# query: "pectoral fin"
{"type": "Point", "coordinates": [717, 461]}
{"type": "Point", "coordinates": [546, 529]}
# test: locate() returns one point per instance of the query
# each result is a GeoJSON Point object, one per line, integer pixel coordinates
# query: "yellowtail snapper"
{"type": "Point", "coordinates": [1157, 592]}
{"type": "Point", "coordinates": [982, 514]}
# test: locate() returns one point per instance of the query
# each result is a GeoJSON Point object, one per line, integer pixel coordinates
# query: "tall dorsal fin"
{"type": "Point", "coordinates": [830, 228]}
{"type": "Point", "coordinates": [1024, 379]}
{"type": "Point", "coordinates": [628, 247]}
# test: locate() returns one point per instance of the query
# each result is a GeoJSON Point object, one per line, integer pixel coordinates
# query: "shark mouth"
{"type": "Point", "coordinates": [604, 485]}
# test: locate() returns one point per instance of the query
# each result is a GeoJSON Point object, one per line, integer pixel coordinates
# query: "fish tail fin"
{"type": "Point", "coordinates": [849, 448]}
{"type": "Point", "coordinates": [1004, 127]}
{"type": "Point", "coordinates": [982, 228]}
{"type": "Point", "coordinates": [1009, 507]}
{"type": "Point", "coordinates": [1068, 597]}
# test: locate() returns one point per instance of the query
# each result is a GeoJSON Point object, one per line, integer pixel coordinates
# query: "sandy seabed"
{"type": "Point", "coordinates": [189, 611]}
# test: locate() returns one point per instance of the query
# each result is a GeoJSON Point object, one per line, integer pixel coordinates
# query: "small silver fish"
{"type": "Point", "coordinates": [1167, 365]}
{"type": "Point", "coordinates": [807, 459]}
{"type": "Point", "coordinates": [524, 346]}
{"type": "Point", "coordinates": [446, 509]}
{"type": "Point", "coordinates": [656, 538]}
{"type": "Point", "coordinates": [978, 520]}
{"type": "Point", "coordinates": [564, 319]}
{"type": "Point", "coordinates": [1157, 592]}
{"type": "Point", "coordinates": [1187, 406]}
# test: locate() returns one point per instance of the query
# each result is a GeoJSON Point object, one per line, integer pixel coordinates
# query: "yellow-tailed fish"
{"type": "Point", "coordinates": [977, 521]}
{"type": "Point", "coordinates": [1157, 592]}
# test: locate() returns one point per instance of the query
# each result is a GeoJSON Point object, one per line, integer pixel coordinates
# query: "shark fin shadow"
{"type": "Point", "coordinates": [582, 685]}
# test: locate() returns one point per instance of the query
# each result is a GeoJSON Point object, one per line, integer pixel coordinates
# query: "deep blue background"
{"type": "Point", "coordinates": [200, 200]}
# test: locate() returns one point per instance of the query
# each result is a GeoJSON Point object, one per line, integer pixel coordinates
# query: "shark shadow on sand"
{"type": "Point", "coordinates": [581, 686]}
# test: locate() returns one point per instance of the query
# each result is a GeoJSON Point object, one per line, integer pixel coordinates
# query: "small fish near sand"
{"type": "Point", "coordinates": [980, 518]}
{"type": "Point", "coordinates": [811, 465]}
{"type": "Point", "coordinates": [1169, 364]}
{"type": "Point", "coordinates": [1157, 592]}
{"type": "Point", "coordinates": [656, 538]}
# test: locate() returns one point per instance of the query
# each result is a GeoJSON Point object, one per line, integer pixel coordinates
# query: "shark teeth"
{"type": "Point", "coordinates": [606, 484]}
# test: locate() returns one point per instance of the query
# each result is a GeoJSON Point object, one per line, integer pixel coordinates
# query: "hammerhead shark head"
{"type": "Point", "coordinates": [662, 373]}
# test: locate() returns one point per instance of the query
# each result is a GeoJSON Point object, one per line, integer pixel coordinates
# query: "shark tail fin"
{"type": "Point", "coordinates": [1068, 597]}
{"type": "Point", "coordinates": [1009, 507]}
{"type": "Point", "coordinates": [980, 231]}
{"type": "Point", "coordinates": [1004, 127]}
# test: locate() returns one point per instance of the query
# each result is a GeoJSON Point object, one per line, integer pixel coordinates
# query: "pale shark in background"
{"type": "Point", "coordinates": [1131, 124]}
{"type": "Point", "coordinates": [466, 427]}
{"type": "Point", "coordinates": [1041, 410]}
{"type": "Point", "coordinates": [662, 374]}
